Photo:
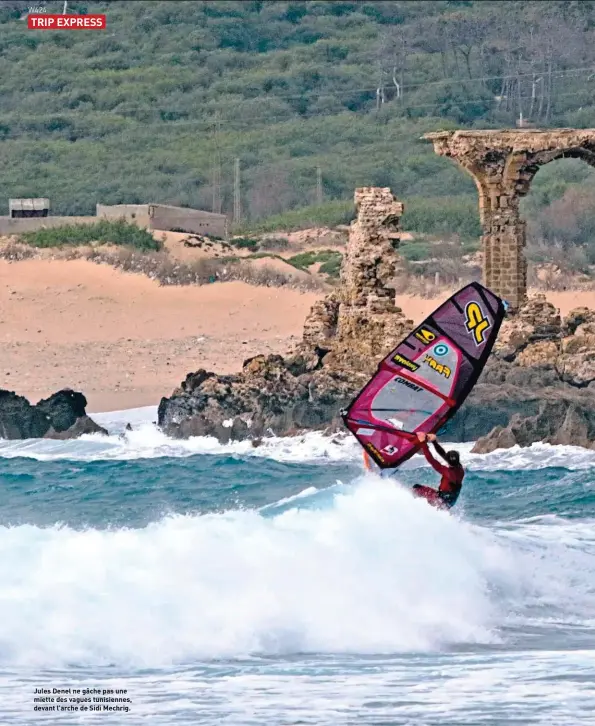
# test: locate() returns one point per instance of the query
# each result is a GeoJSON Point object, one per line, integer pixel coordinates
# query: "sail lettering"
{"type": "Point", "coordinates": [476, 322]}
{"type": "Point", "coordinates": [438, 367]}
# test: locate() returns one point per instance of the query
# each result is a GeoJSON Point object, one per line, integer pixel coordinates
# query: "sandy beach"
{"type": "Point", "coordinates": [125, 341]}
{"type": "Point", "coordinates": [122, 339]}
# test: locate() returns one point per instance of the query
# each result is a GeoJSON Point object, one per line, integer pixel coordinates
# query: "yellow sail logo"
{"type": "Point", "coordinates": [425, 336]}
{"type": "Point", "coordinates": [405, 362]}
{"type": "Point", "coordinates": [476, 322]}
{"type": "Point", "coordinates": [373, 450]}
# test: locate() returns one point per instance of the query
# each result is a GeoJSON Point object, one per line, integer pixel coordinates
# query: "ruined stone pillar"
{"type": "Point", "coordinates": [503, 244]}
{"type": "Point", "coordinates": [370, 257]}
{"type": "Point", "coordinates": [367, 300]}
{"type": "Point", "coordinates": [361, 319]}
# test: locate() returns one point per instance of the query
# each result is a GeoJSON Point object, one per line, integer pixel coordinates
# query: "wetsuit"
{"type": "Point", "coordinates": [450, 484]}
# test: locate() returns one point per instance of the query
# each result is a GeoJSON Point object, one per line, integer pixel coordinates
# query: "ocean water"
{"type": "Point", "coordinates": [282, 585]}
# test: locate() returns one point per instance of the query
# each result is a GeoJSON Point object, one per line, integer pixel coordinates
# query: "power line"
{"type": "Point", "coordinates": [140, 109]}
{"type": "Point", "coordinates": [247, 121]}
{"type": "Point", "coordinates": [208, 123]}
{"type": "Point", "coordinates": [372, 89]}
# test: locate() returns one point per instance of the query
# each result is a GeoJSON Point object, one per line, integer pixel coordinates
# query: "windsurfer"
{"type": "Point", "coordinates": [452, 475]}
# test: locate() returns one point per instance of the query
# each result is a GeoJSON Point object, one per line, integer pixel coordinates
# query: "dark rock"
{"type": "Point", "coordinates": [61, 416]}
{"type": "Point", "coordinates": [63, 408]}
{"type": "Point", "coordinates": [487, 407]}
{"type": "Point", "coordinates": [576, 429]}
{"type": "Point", "coordinates": [194, 380]}
{"type": "Point", "coordinates": [498, 438]}
{"type": "Point", "coordinates": [498, 371]}
{"type": "Point", "coordinates": [268, 397]}
{"type": "Point", "coordinates": [19, 419]}
{"type": "Point", "coordinates": [528, 398]}
{"type": "Point", "coordinates": [566, 418]}
{"type": "Point", "coordinates": [82, 425]}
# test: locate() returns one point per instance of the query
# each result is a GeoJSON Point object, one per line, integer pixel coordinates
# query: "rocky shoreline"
{"type": "Point", "coordinates": [61, 416]}
{"type": "Point", "coordinates": [539, 384]}
{"type": "Point", "coordinates": [546, 365]}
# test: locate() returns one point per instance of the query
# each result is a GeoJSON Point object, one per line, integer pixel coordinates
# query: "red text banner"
{"type": "Point", "coordinates": [45, 21]}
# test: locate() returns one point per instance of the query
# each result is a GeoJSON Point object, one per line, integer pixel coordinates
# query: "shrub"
{"type": "Point", "coordinates": [164, 269]}
{"type": "Point", "coordinates": [303, 260]}
{"type": "Point", "coordinates": [15, 252]}
{"type": "Point", "coordinates": [415, 251]}
{"type": "Point", "coordinates": [274, 243]}
{"type": "Point", "coordinates": [245, 243]}
{"type": "Point", "coordinates": [573, 258]}
{"type": "Point", "coordinates": [329, 214]}
{"type": "Point", "coordinates": [118, 232]}
{"type": "Point", "coordinates": [269, 277]}
{"type": "Point", "coordinates": [569, 220]}
{"type": "Point", "coordinates": [330, 261]}
{"type": "Point", "coordinates": [332, 267]}
{"type": "Point", "coordinates": [443, 216]}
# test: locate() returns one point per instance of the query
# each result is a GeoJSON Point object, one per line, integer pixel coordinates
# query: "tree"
{"type": "Point", "coordinates": [391, 57]}
{"type": "Point", "coordinates": [466, 33]}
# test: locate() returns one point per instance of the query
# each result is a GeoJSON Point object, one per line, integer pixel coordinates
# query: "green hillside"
{"type": "Point", "coordinates": [147, 109]}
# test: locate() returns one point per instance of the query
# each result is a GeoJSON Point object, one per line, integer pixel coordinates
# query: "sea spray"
{"type": "Point", "coordinates": [375, 572]}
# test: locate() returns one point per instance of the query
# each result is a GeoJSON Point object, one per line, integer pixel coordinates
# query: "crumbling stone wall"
{"type": "Point", "coordinates": [503, 164]}
{"type": "Point", "coordinates": [361, 319]}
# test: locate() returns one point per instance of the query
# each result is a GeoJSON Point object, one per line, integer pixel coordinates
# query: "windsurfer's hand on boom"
{"type": "Point", "coordinates": [424, 438]}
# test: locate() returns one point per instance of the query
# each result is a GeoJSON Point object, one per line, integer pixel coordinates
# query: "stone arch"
{"type": "Point", "coordinates": [503, 165]}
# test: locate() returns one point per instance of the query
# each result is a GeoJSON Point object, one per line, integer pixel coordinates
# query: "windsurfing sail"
{"type": "Point", "coordinates": [421, 384]}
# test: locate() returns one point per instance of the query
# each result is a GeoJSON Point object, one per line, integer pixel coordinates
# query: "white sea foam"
{"type": "Point", "coordinates": [370, 570]}
{"type": "Point", "coordinates": [365, 574]}
{"type": "Point", "coordinates": [115, 421]}
{"type": "Point", "coordinates": [147, 441]}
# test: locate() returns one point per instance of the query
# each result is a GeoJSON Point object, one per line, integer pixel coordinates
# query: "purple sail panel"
{"type": "Point", "coordinates": [471, 318]}
{"type": "Point", "coordinates": [425, 379]}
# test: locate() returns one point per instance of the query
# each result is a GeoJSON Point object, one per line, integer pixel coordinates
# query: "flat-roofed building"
{"type": "Point", "coordinates": [168, 218]}
{"type": "Point", "coordinates": [26, 208]}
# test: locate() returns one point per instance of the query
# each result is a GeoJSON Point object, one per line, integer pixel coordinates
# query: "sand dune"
{"type": "Point", "coordinates": [125, 341]}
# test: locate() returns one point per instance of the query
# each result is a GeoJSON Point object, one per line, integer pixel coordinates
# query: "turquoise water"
{"type": "Point", "coordinates": [283, 585]}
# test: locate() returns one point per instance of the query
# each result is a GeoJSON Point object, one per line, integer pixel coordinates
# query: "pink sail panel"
{"type": "Point", "coordinates": [426, 378]}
